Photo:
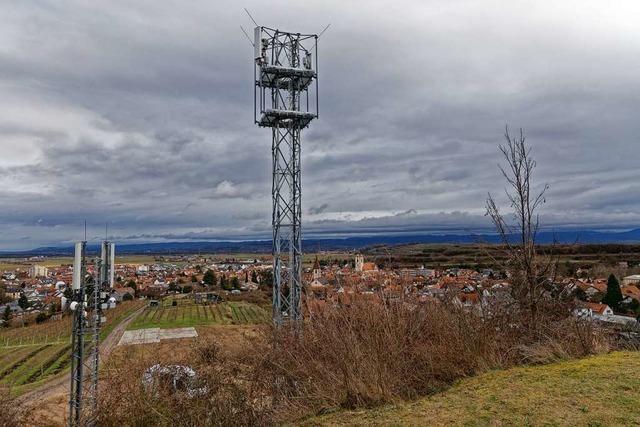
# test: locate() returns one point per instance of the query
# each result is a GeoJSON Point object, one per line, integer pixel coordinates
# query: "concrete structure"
{"type": "Point", "coordinates": [155, 335]}
{"type": "Point", "coordinates": [37, 270]}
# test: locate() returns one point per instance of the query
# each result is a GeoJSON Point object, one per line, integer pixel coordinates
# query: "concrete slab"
{"type": "Point", "coordinates": [175, 333]}
{"type": "Point", "coordinates": [154, 335]}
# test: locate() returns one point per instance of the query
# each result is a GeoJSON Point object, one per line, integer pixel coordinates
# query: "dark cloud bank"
{"type": "Point", "coordinates": [139, 113]}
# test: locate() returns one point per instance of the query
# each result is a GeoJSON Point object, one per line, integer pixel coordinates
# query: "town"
{"type": "Point", "coordinates": [34, 293]}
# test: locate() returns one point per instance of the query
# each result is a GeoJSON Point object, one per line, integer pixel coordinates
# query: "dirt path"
{"type": "Point", "coordinates": [50, 396]}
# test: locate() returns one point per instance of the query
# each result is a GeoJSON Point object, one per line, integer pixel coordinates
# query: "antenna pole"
{"type": "Point", "coordinates": [77, 336]}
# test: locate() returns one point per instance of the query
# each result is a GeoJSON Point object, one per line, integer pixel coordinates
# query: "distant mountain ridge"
{"type": "Point", "coordinates": [346, 243]}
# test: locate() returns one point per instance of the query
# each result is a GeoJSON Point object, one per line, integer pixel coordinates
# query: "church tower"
{"type": "Point", "coordinates": [316, 269]}
{"type": "Point", "coordinates": [359, 262]}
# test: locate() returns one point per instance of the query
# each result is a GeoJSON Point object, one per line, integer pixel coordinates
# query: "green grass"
{"type": "Point", "coordinates": [185, 315]}
{"type": "Point", "coordinates": [595, 391]}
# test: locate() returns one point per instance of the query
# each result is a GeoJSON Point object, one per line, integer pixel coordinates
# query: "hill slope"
{"type": "Point", "coordinates": [599, 390]}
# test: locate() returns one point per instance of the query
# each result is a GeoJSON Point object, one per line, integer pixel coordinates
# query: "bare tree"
{"type": "Point", "coordinates": [530, 271]}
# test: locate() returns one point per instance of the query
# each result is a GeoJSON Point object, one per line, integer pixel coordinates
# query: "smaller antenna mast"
{"type": "Point", "coordinates": [245, 33]}
{"type": "Point", "coordinates": [251, 17]}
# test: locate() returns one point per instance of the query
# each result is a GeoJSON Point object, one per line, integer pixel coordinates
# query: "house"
{"type": "Point", "coordinates": [13, 306]}
{"type": "Point", "coordinates": [13, 292]}
{"type": "Point", "coordinates": [207, 297]}
{"type": "Point", "coordinates": [592, 288]}
{"type": "Point", "coordinates": [121, 293]}
{"type": "Point", "coordinates": [634, 279]}
{"type": "Point", "coordinates": [632, 292]}
{"type": "Point", "coordinates": [594, 310]}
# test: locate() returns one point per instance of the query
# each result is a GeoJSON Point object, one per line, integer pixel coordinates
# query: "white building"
{"type": "Point", "coordinates": [37, 270]}
{"type": "Point", "coordinates": [631, 280]}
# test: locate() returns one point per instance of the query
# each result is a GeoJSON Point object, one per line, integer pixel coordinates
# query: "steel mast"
{"type": "Point", "coordinates": [87, 306]}
{"type": "Point", "coordinates": [285, 72]}
{"type": "Point", "coordinates": [77, 306]}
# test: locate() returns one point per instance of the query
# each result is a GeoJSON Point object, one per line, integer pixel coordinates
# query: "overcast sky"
{"type": "Point", "coordinates": [140, 114]}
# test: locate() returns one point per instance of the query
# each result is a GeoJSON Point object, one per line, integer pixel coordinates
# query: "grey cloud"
{"type": "Point", "coordinates": [139, 114]}
{"type": "Point", "coordinates": [315, 210]}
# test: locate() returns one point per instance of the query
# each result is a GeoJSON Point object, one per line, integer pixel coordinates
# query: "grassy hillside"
{"type": "Point", "coordinates": [596, 391]}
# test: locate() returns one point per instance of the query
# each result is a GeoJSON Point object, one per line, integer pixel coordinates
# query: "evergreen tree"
{"type": "Point", "coordinates": [266, 278]}
{"type": "Point", "coordinates": [133, 285]}
{"type": "Point", "coordinates": [23, 302]}
{"type": "Point", "coordinates": [614, 294]}
{"type": "Point", "coordinates": [235, 283]}
{"type": "Point", "coordinates": [254, 277]}
{"type": "Point", "coordinates": [210, 278]}
{"type": "Point", "coordinates": [6, 315]}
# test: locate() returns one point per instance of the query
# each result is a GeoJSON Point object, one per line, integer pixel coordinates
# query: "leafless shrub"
{"type": "Point", "coordinates": [364, 355]}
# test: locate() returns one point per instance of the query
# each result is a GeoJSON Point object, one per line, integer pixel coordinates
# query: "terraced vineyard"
{"type": "Point", "coordinates": [184, 315]}
{"type": "Point", "coordinates": [36, 353]}
{"type": "Point", "coordinates": [21, 366]}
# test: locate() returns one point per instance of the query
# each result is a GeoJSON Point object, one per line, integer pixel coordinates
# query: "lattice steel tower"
{"type": "Point", "coordinates": [87, 306]}
{"type": "Point", "coordinates": [285, 73]}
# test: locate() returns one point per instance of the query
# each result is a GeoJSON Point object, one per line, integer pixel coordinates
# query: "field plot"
{"type": "Point", "coordinates": [185, 315]}
{"type": "Point", "coordinates": [36, 353]}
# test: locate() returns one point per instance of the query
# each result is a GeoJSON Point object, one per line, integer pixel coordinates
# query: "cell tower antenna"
{"type": "Point", "coordinates": [77, 306]}
{"type": "Point", "coordinates": [245, 33]}
{"type": "Point", "coordinates": [87, 308]}
{"type": "Point", "coordinates": [285, 75]}
{"type": "Point", "coordinates": [325, 29]}
{"type": "Point", "coordinates": [251, 17]}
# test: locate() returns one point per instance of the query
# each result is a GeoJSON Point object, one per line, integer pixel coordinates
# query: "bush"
{"type": "Point", "coordinates": [41, 317]}
{"type": "Point", "coordinates": [369, 354]}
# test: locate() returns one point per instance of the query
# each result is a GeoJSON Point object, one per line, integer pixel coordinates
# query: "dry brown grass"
{"type": "Point", "coordinates": [9, 415]}
{"type": "Point", "coordinates": [365, 355]}
{"type": "Point", "coordinates": [362, 355]}
{"type": "Point", "coordinates": [220, 368]}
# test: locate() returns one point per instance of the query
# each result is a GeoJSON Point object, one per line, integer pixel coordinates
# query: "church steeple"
{"type": "Point", "coordinates": [316, 269]}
